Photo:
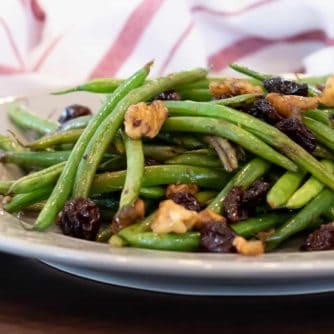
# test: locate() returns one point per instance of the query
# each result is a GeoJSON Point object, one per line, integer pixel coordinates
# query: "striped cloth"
{"type": "Point", "coordinates": [49, 43]}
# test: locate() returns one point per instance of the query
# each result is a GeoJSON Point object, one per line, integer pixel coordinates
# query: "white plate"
{"type": "Point", "coordinates": [286, 272]}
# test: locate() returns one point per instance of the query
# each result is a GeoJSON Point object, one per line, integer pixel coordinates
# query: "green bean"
{"type": "Point", "coordinates": [237, 101]}
{"type": "Point", "coordinates": [28, 121]}
{"type": "Point", "coordinates": [136, 236]}
{"type": "Point", "coordinates": [5, 185]}
{"type": "Point", "coordinates": [9, 144]}
{"type": "Point", "coordinates": [54, 139]}
{"type": "Point", "coordinates": [187, 141]}
{"type": "Point", "coordinates": [205, 197]}
{"type": "Point", "coordinates": [34, 159]}
{"type": "Point", "coordinates": [108, 85]}
{"type": "Point", "coordinates": [195, 159]}
{"type": "Point", "coordinates": [314, 80]}
{"type": "Point", "coordinates": [107, 129]}
{"type": "Point", "coordinates": [134, 172]}
{"type": "Point", "coordinates": [244, 178]}
{"type": "Point", "coordinates": [266, 132]}
{"type": "Point", "coordinates": [164, 174]}
{"type": "Point", "coordinates": [312, 91]}
{"type": "Point", "coordinates": [196, 94]}
{"type": "Point", "coordinates": [103, 85]}
{"type": "Point", "coordinates": [152, 192]}
{"type": "Point", "coordinates": [323, 152]}
{"type": "Point", "coordinates": [329, 214]}
{"type": "Point", "coordinates": [104, 234]}
{"type": "Point", "coordinates": [249, 72]}
{"type": "Point", "coordinates": [162, 152]}
{"type": "Point", "coordinates": [318, 115]}
{"type": "Point", "coordinates": [37, 180]}
{"type": "Point", "coordinates": [311, 212]}
{"type": "Point", "coordinates": [284, 188]}
{"type": "Point", "coordinates": [323, 133]}
{"type": "Point", "coordinates": [186, 242]}
{"type": "Point", "coordinates": [311, 188]}
{"type": "Point", "coordinates": [75, 123]}
{"type": "Point", "coordinates": [22, 201]}
{"type": "Point", "coordinates": [229, 131]}
{"type": "Point", "coordinates": [64, 185]}
{"type": "Point", "coordinates": [247, 228]}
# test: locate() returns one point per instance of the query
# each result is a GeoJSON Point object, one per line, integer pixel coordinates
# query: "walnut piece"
{"type": "Point", "coordinates": [173, 218]}
{"type": "Point", "coordinates": [233, 87]}
{"type": "Point", "coordinates": [181, 188]}
{"type": "Point", "coordinates": [291, 105]}
{"type": "Point", "coordinates": [327, 96]}
{"type": "Point", "coordinates": [206, 216]}
{"type": "Point", "coordinates": [143, 120]}
{"type": "Point", "coordinates": [248, 247]}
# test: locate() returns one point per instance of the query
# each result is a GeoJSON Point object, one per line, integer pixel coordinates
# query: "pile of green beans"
{"type": "Point", "coordinates": [93, 157]}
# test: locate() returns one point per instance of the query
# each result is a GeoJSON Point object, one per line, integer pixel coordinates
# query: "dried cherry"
{"type": "Point", "coordinates": [217, 237]}
{"type": "Point", "coordinates": [298, 132]}
{"type": "Point", "coordinates": [73, 111]}
{"type": "Point", "coordinates": [320, 239]}
{"type": "Point", "coordinates": [286, 87]}
{"type": "Point", "coordinates": [80, 218]}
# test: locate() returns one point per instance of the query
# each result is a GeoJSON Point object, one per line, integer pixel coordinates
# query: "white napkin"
{"type": "Point", "coordinates": [47, 44]}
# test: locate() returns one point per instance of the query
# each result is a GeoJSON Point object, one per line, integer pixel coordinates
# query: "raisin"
{"type": "Point", "coordinates": [286, 87]}
{"type": "Point", "coordinates": [255, 194]}
{"type": "Point", "coordinates": [320, 239]}
{"type": "Point", "coordinates": [187, 200]}
{"type": "Point", "coordinates": [233, 205]}
{"type": "Point", "coordinates": [298, 132]}
{"type": "Point", "coordinates": [73, 111]}
{"type": "Point", "coordinates": [217, 237]}
{"type": "Point", "coordinates": [80, 218]}
{"type": "Point", "coordinates": [264, 110]}
{"type": "Point", "coordinates": [169, 95]}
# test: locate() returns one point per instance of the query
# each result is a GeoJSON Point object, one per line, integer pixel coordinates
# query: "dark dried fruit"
{"type": "Point", "coordinates": [73, 111]}
{"type": "Point", "coordinates": [233, 208]}
{"type": "Point", "coordinates": [255, 194]}
{"type": "Point", "coordinates": [169, 95]}
{"type": "Point", "coordinates": [298, 132]}
{"type": "Point", "coordinates": [187, 200]}
{"type": "Point", "coordinates": [217, 237]}
{"type": "Point", "coordinates": [264, 110]}
{"type": "Point", "coordinates": [80, 218]}
{"type": "Point", "coordinates": [286, 87]}
{"type": "Point", "coordinates": [128, 215]}
{"type": "Point", "coordinates": [320, 239]}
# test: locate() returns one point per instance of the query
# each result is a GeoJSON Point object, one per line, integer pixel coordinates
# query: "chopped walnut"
{"type": "Point", "coordinates": [181, 188]}
{"type": "Point", "coordinates": [143, 120]}
{"type": "Point", "coordinates": [291, 105]}
{"type": "Point", "coordinates": [128, 215]}
{"type": "Point", "coordinates": [248, 247]}
{"type": "Point", "coordinates": [207, 215]}
{"type": "Point", "coordinates": [173, 218]}
{"type": "Point", "coordinates": [233, 87]}
{"type": "Point", "coordinates": [327, 96]}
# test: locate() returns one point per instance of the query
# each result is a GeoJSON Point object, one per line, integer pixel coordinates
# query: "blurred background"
{"type": "Point", "coordinates": [47, 43]}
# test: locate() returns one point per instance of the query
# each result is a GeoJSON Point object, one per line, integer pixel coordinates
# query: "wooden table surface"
{"type": "Point", "coordinates": [37, 299]}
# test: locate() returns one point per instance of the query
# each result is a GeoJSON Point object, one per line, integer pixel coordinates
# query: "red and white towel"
{"type": "Point", "coordinates": [47, 44]}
